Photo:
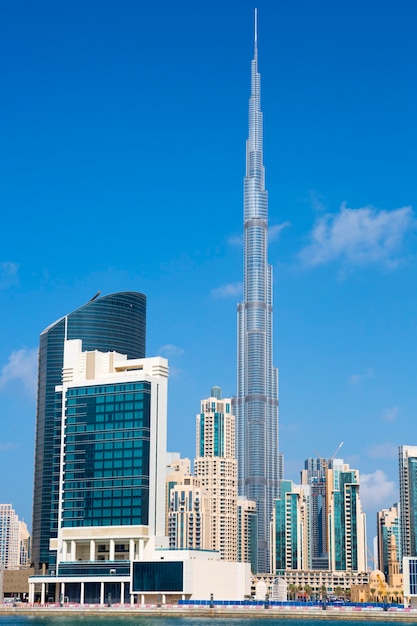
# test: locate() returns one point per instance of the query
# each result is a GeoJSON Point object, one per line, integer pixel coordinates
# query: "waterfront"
{"type": "Point", "coordinates": [173, 616]}
{"type": "Point", "coordinates": [145, 620]}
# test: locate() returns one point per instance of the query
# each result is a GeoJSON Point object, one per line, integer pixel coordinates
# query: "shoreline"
{"type": "Point", "coordinates": [330, 614]}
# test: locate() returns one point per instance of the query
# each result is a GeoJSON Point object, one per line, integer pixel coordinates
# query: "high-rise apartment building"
{"type": "Point", "coordinates": [216, 468]}
{"type": "Point", "coordinates": [189, 518]}
{"type": "Point", "coordinates": [177, 470]}
{"type": "Point", "coordinates": [115, 322]}
{"type": "Point", "coordinates": [256, 403]}
{"type": "Point", "coordinates": [314, 476]}
{"type": "Point", "coordinates": [408, 499]}
{"type": "Point", "coordinates": [347, 522]}
{"type": "Point", "coordinates": [388, 525]}
{"type": "Point", "coordinates": [289, 529]}
{"type": "Point", "coordinates": [247, 532]}
{"type": "Point", "coordinates": [14, 539]}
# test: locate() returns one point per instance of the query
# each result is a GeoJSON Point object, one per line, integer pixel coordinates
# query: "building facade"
{"type": "Point", "coordinates": [189, 517]}
{"type": "Point", "coordinates": [113, 322]}
{"type": "Point", "coordinates": [14, 539]}
{"type": "Point", "coordinates": [112, 470]}
{"type": "Point", "coordinates": [256, 403]}
{"type": "Point", "coordinates": [247, 532]}
{"type": "Point", "coordinates": [388, 525]}
{"type": "Point", "coordinates": [408, 499]}
{"type": "Point", "coordinates": [347, 522]}
{"type": "Point", "coordinates": [313, 476]}
{"type": "Point", "coordinates": [215, 466]}
{"type": "Point", "coordinates": [289, 529]}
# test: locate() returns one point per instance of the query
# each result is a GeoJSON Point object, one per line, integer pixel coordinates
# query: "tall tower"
{"type": "Point", "coordinates": [215, 467]}
{"type": "Point", "coordinates": [113, 322]}
{"type": "Point", "coordinates": [408, 499]}
{"type": "Point", "coordinates": [256, 402]}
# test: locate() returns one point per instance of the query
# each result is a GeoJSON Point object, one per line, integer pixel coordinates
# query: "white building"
{"type": "Point", "coordinates": [111, 545]}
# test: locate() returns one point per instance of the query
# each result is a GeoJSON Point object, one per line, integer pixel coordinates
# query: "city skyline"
{"type": "Point", "coordinates": [95, 199]}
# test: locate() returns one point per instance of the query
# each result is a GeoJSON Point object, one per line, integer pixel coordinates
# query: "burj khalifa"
{"type": "Point", "coordinates": [256, 401]}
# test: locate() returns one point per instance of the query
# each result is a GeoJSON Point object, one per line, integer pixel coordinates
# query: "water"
{"type": "Point", "coordinates": [143, 620]}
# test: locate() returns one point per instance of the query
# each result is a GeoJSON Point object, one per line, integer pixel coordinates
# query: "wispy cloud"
{"type": "Point", "coordinates": [225, 291]}
{"type": "Point", "coordinates": [317, 201]}
{"type": "Point", "coordinates": [383, 451]}
{"type": "Point", "coordinates": [275, 230]}
{"type": "Point", "coordinates": [170, 350]}
{"type": "Point", "coordinates": [8, 445]}
{"type": "Point", "coordinates": [8, 274]}
{"type": "Point", "coordinates": [355, 379]}
{"type": "Point", "coordinates": [359, 237]}
{"type": "Point", "coordinates": [22, 367]}
{"type": "Point", "coordinates": [390, 415]}
{"type": "Point", "coordinates": [376, 489]}
{"type": "Point", "coordinates": [235, 240]}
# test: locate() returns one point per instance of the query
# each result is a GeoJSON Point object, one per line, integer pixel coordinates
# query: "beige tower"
{"type": "Point", "coordinates": [189, 520]}
{"type": "Point", "coordinates": [216, 467]}
{"type": "Point", "coordinates": [177, 469]}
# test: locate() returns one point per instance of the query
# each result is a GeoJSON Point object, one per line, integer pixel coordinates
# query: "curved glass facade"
{"type": "Point", "coordinates": [116, 322]}
{"type": "Point", "coordinates": [256, 402]}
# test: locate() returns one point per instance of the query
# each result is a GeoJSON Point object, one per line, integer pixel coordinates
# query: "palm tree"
{"type": "Point", "coordinates": [308, 590]}
{"type": "Point", "coordinates": [291, 590]}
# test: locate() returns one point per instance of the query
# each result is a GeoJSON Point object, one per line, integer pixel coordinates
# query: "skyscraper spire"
{"type": "Point", "coordinates": [256, 402]}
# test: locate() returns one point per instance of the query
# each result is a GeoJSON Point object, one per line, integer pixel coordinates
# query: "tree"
{"type": "Point", "coordinates": [291, 590]}
{"type": "Point", "coordinates": [308, 591]}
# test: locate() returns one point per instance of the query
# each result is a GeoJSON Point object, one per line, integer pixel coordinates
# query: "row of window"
{"type": "Point", "coordinates": [82, 391]}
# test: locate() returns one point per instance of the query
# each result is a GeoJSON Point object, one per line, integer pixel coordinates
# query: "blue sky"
{"type": "Point", "coordinates": [123, 129]}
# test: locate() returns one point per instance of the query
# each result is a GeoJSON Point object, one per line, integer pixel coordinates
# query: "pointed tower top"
{"type": "Point", "coordinates": [256, 28]}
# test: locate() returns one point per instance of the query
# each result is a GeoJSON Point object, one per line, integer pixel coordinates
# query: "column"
{"type": "Point", "coordinates": [131, 549]}
{"type": "Point", "coordinates": [82, 594]}
{"type": "Point", "coordinates": [62, 598]}
{"type": "Point", "coordinates": [64, 550]}
{"type": "Point", "coordinates": [111, 550]}
{"type": "Point", "coordinates": [101, 593]}
{"type": "Point", "coordinates": [142, 599]}
{"type": "Point", "coordinates": [92, 550]}
{"type": "Point", "coordinates": [141, 548]}
{"type": "Point", "coordinates": [122, 593]}
{"type": "Point", "coordinates": [31, 593]}
{"type": "Point", "coordinates": [73, 550]}
{"type": "Point", "coordinates": [42, 593]}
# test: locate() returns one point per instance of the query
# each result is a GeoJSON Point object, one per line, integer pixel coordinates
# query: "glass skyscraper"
{"type": "Point", "coordinates": [256, 403]}
{"type": "Point", "coordinates": [116, 322]}
{"type": "Point", "coordinates": [408, 499]}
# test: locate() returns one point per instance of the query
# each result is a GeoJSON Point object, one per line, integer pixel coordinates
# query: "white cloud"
{"type": "Point", "coordinates": [8, 274]}
{"type": "Point", "coordinates": [22, 367]}
{"type": "Point", "coordinates": [377, 490]}
{"type": "Point", "coordinates": [8, 446]}
{"type": "Point", "coordinates": [390, 415]}
{"type": "Point", "coordinates": [275, 231]}
{"type": "Point", "coordinates": [273, 234]}
{"type": "Point", "coordinates": [169, 350]}
{"type": "Point", "coordinates": [235, 240]}
{"type": "Point", "coordinates": [225, 291]}
{"type": "Point", "coordinates": [355, 379]}
{"type": "Point", "coordinates": [317, 201]}
{"type": "Point", "coordinates": [359, 237]}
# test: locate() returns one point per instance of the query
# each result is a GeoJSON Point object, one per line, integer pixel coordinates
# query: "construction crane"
{"type": "Point", "coordinates": [325, 462]}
